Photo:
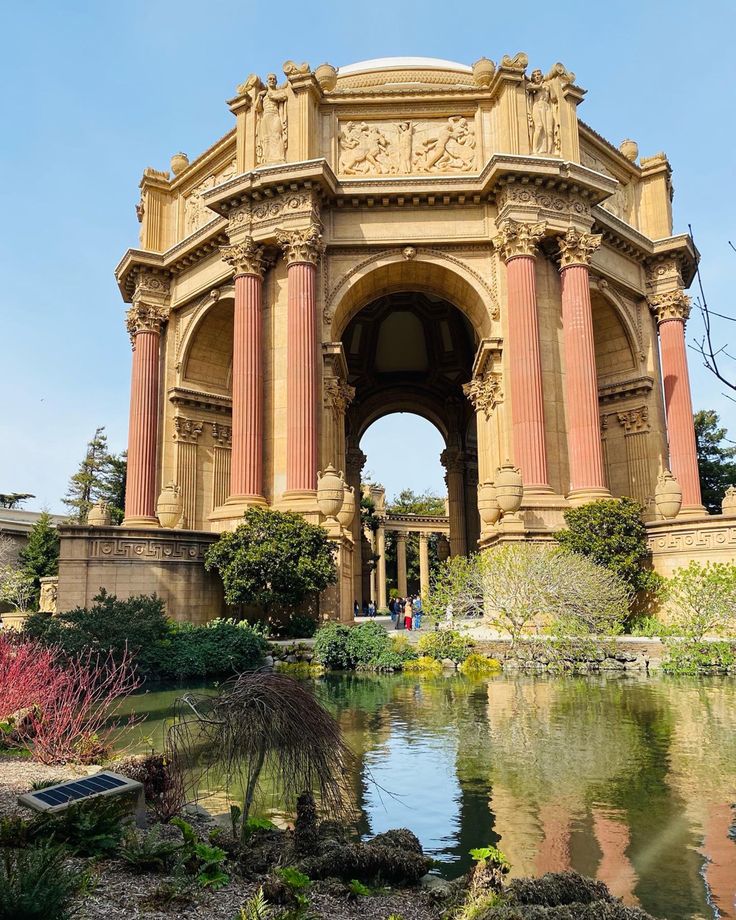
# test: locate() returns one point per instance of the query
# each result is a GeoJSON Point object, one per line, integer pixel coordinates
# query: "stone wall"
{"type": "Point", "coordinates": [625, 653]}
{"type": "Point", "coordinates": [126, 561]}
{"type": "Point", "coordinates": [707, 538]}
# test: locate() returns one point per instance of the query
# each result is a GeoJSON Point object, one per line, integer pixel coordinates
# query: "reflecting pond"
{"type": "Point", "coordinates": [627, 779]}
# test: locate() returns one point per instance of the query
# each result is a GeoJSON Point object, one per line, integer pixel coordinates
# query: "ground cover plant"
{"type": "Point", "coordinates": [37, 883]}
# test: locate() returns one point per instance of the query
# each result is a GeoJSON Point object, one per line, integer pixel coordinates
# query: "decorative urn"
{"type": "Point", "coordinates": [326, 76]}
{"type": "Point", "coordinates": [179, 162]}
{"type": "Point", "coordinates": [728, 505]}
{"type": "Point", "coordinates": [509, 487]}
{"type": "Point", "coordinates": [443, 548]}
{"type": "Point", "coordinates": [483, 71]}
{"type": "Point", "coordinates": [169, 506]}
{"type": "Point", "coordinates": [668, 495]}
{"type": "Point", "coordinates": [488, 507]}
{"type": "Point", "coordinates": [347, 512]}
{"type": "Point", "coordinates": [99, 515]}
{"type": "Point", "coordinates": [630, 149]}
{"type": "Point", "coordinates": [330, 492]}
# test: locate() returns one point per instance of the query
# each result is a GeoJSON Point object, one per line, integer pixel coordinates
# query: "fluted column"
{"type": "Point", "coordinates": [424, 566]}
{"type": "Point", "coordinates": [144, 323]}
{"type": "Point", "coordinates": [246, 460]}
{"type": "Point", "coordinates": [672, 310]}
{"type": "Point", "coordinates": [222, 436]}
{"type": "Point", "coordinates": [454, 463]}
{"type": "Point", "coordinates": [186, 436]}
{"type": "Point", "coordinates": [517, 244]}
{"type": "Point", "coordinates": [401, 563]}
{"type": "Point", "coordinates": [635, 423]}
{"type": "Point", "coordinates": [354, 463]}
{"type": "Point", "coordinates": [381, 568]}
{"type": "Point", "coordinates": [585, 453]}
{"type": "Point", "coordinates": [302, 249]}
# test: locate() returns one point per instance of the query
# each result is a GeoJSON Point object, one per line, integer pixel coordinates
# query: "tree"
{"type": "Point", "coordinates": [716, 463]}
{"type": "Point", "coordinates": [612, 533]}
{"type": "Point", "coordinates": [12, 500]}
{"type": "Point", "coordinates": [524, 584]}
{"type": "Point", "coordinates": [703, 598]}
{"type": "Point", "coordinates": [100, 477]}
{"type": "Point", "coordinates": [273, 559]}
{"type": "Point", "coordinates": [40, 556]}
{"type": "Point", "coordinates": [16, 588]}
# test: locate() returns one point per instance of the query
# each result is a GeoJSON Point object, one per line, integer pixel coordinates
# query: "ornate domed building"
{"type": "Point", "coordinates": [405, 234]}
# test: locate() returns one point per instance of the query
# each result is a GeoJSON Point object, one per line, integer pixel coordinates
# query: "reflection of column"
{"type": "Point", "coordinates": [554, 851]}
{"type": "Point", "coordinates": [144, 325]}
{"type": "Point", "coordinates": [401, 562]}
{"type": "Point", "coordinates": [222, 436]}
{"type": "Point", "coordinates": [381, 572]}
{"type": "Point", "coordinates": [718, 849]}
{"type": "Point", "coordinates": [517, 244]}
{"type": "Point", "coordinates": [672, 311]}
{"type": "Point", "coordinates": [186, 435]}
{"type": "Point", "coordinates": [615, 869]}
{"type": "Point", "coordinates": [424, 566]}
{"type": "Point", "coordinates": [454, 464]}
{"type": "Point", "coordinates": [585, 456]}
{"type": "Point", "coordinates": [636, 427]}
{"type": "Point", "coordinates": [302, 249]}
{"type": "Point", "coordinates": [246, 462]}
{"type": "Point", "coordinates": [354, 463]}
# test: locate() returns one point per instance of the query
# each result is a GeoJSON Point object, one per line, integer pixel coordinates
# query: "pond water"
{"type": "Point", "coordinates": [631, 780]}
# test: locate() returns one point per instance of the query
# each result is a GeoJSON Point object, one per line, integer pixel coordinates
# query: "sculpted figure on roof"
{"type": "Point", "coordinates": [543, 124]}
{"type": "Point", "coordinates": [272, 122]}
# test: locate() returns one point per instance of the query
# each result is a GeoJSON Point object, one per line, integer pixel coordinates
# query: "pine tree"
{"type": "Point", "coordinates": [40, 556]}
{"type": "Point", "coordinates": [113, 476]}
{"type": "Point", "coordinates": [85, 485]}
{"type": "Point", "coordinates": [716, 461]}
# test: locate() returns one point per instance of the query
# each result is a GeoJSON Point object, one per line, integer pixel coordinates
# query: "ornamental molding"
{"type": "Point", "coordinates": [151, 281]}
{"type": "Point", "coordinates": [576, 248]}
{"type": "Point", "coordinates": [137, 549]}
{"type": "Point", "coordinates": [245, 257]}
{"type": "Point", "coordinates": [355, 460]}
{"type": "Point", "coordinates": [518, 239]}
{"type": "Point", "coordinates": [145, 317]}
{"type": "Point", "coordinates": [548, 203]}
{"type": "Point", "coordinates": [634, 421]}
{"type": "Point", "coordinates": [453, 461]}
{"type": "Point", "coordinates": [200, 399]}
{"type": "Point", "coordinates": [222, 435]}
{"type": "Point", "coordinates": [485, 392]}
{"type": "Point", "coordinates": [625, 389]}
{"type": "Point", "coordinates": [301, 245]}
{"type": "Point", "coordinates": [187, 430]}
{"type": "Point", "coordinates": [674, 305]}
{"type": "Point", "coordinates": [337, 394]}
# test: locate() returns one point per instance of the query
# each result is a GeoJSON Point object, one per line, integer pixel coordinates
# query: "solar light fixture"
{"type": "Point", "coordinates": [56, 798]}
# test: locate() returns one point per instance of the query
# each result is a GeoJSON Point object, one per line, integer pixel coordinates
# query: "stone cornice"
{"type": "Point", "coordinates": [624, 389]}
{"type": "Point", "coordinates": [200, 399]}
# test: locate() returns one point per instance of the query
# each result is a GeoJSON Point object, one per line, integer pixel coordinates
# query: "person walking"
{"type": "Point", "coordinates": [371, 608]}
{"type": "Point", "coordinates": [418, 612]}
{"type": "Point", "coordinates": [399, 614]}
{"type": "Point", "coordinates": [392, 608]}
{"type": "Point", "coordinates": [356, 608]}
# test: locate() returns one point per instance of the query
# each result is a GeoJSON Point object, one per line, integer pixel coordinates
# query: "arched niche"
{"type": "Point", "coordinates": [207, 354]}
{"type": "Point", "coordinates": [615, 341]}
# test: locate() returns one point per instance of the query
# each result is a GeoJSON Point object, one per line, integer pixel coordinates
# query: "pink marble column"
{"type": "Point", "coordinates": [144, 325]}
{"type": "Point", "coordinates": [585, 452]}
{"type": "Point", "coordinates": [672, 310]}
{"type": "Point", "coordinates": [517, 244]}
{"type": "Point", "coordinates": [246, 462]}
{"type": "Point", "coordinates": [302, 249]}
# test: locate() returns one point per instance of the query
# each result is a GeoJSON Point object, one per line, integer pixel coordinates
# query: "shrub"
{"type": "Point", "coordinates": [446, 643]}
{"type": "Point", "coordinates": [331, 646]}
{"type": "Point", "coordinates": [273, 559]}
{"type": "Point", "coordinates": [343, 647]}
{"type": "Point", "coordinates": [652, 627]}
{"type": "Point", "coordinates": [89, 828]}
{"type": "Point", "coordinates": [524, 584]}
{"type": "Point", "coordinates": [163, 782]}
{"type": "Point", "coordinates": [612, 533]}
{"type": "Point", "coordinates": [147, 852]}
{"type": "Point", "coordinates": [694, 657]}
{"type": "Point", "coordinates": [477, 665]}
{"type": "Point", "coordinates": [703, 598]}
{"type": "Point", "coordinates": [36, 884]}
{"type": "Point", "coordinates": [202, 861]}
{"type": "Point", "coordinates": [425, 664]}
{"type": "Point", "coordinates": [218, 647]}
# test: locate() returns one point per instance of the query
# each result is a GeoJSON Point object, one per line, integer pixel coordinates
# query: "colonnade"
{"type": "Point", "coordinates": [402, 526]}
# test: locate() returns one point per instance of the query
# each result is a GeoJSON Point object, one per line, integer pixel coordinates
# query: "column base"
{"type": "Point", "coordinates": [582, 496]}
{"type": "Point", "coordinates": [511, 524]}
{"type": "Point", "coordinates": [691, 511]}
{"type": "Point", "coordinates": [301, 501]}
{"type": "Point", "coordinates": [229, 515]}
{"type": "Point", "coordinates": [141, 523]}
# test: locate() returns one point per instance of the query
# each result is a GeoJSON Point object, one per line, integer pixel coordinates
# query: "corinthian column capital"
{"type": "Point", "coordinates": [301, 245]}
{"type": "Point", "coordinates": [145, 317]}
{"type": "Point", "coordinates": [246, 257]}
{"type": "Point", "coordinates": [674, 305]}
{"type": "Point", "coordinates": [518, 239]}
{"type": "Point", "coordinates": [338, 394]}
{"type": "Point", "coordinates": [576, 248]}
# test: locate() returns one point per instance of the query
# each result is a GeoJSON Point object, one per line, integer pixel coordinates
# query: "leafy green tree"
{"type": "Point", "coordinates": [12, 500]}
{"type": "Point", "coordinates": [716, 461]}
{"type": "Point", "coordinates": [100, 477]}
{"type": "Point", "coordinates": [420, 503]}
{"type": "Point", "coordinates": [410, 502]}
{"type": "Point", "coordinates": [612, 533]}
{"type": "Point", "coordinates": [703, 598]}
{"type": "Point", "coordinates": [40, 556]}
{"type": "Point", "coordinates": [273, 560]}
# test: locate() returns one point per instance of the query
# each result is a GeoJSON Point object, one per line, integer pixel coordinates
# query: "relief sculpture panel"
{"type": "Point", "coordinates": [407, 147]}
{"type": "Point", "coordinates": [196, 214]}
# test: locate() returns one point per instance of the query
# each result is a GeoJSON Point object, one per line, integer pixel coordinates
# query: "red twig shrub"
{"type": "Point", "coordinates": [68, 707]}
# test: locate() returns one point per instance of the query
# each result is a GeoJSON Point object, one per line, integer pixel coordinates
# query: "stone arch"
{"type": "Point", "coordinates": [427, 271]}
{"type": "Point", "coordinates": [206, 350]}
{"type": "Point", "coordinates": [388, 404]}
{"type": "Point", "coordinates": [617, 323]}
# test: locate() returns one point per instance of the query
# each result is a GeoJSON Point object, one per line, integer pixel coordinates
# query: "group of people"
{"type": "Point", "coordinates": [406, 612]}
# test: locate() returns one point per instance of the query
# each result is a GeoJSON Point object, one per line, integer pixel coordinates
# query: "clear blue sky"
{"type": "Point", "coordinates": [94, 92]}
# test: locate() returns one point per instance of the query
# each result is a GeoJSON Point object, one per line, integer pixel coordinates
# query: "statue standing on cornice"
{"type": "Point", "coordinates": [543, 127]}
{"type": "Point", "coordinates": [272, 126]}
